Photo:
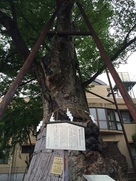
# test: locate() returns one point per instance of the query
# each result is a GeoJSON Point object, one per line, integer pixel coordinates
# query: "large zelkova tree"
{"type": "Point", "coordinates": [64, 66]}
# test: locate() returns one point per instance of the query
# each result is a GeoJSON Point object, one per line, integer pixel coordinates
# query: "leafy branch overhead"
{"type": "Point", "coordinates": [20, 25]}
{"type": "Point", "coordinates": [20, 121]}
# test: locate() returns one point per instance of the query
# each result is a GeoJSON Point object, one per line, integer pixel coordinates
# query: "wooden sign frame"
{"type": "Point", "coordinates": [65, 136]}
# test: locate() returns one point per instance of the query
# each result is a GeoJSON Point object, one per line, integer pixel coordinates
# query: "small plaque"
{"type": "Point", "coordinates": [98, 178]}
{"type": "Point", "coordinates": [57, 166]}
{"type": "Point", "coordinates": [65, 136]}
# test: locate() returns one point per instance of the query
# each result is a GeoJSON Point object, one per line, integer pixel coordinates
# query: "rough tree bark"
{"type": "Point", "coordinates": [61, 88]}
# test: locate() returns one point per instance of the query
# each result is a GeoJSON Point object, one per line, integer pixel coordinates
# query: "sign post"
{"type": "Point", "coordinates": [64, 136]}
{"type": "Point", "coordinates": [65, 165]}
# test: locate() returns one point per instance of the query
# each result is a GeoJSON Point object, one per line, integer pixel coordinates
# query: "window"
{"type": "Point", "coordinates": [126, 116]}
{"type": "Point", "coordinates": [4, 156]}
{"type": "Point", "coordinates": [102, 118]}
{"type": "Point", "coordinates": [119, 127]}
{"type": "Point", "coordinates": [113, 119]}
{"type": "Point", "coordinates": [106, 118]}
{"type": "Point", "coordinates": [93, 114]}
{"type": "Point", "coordinates": [110, 114]}
{"type": "Point", "coordinates": [101, 114]}
{"type": "Point", "coordinates": [133, 151]}
{"type": "Point", "coordinates": [28, 148]}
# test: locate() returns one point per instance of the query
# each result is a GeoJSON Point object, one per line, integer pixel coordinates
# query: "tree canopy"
{"type": "Point", "coordinates": [21, 22]}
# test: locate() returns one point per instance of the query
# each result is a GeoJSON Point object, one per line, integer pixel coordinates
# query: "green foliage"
{"type": "Point", "coordinates": [114, 23]}
{"type": "Point", "coordinates": [105, 15]}
{"type": "Point", "coordinates": [134, 137]}
{"type": "Point", "coordinates": [4, 154]}
{"type": "Point", "coordinates": [20, 119]}
{"type": "Point", "coordinates": [100, 14]}
{"type": "Point", "coordinates": [112, 20]}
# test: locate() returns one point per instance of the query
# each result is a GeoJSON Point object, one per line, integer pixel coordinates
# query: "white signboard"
{"type": "Point", "coordinates": [65, 136]}
{"type": "Point", "coordinates": [98, 178]}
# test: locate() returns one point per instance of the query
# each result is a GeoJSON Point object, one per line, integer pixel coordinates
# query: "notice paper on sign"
{"type": "Point", "coordinates": [65, 136]}
{"type": "Point", "coordinates": [57, 166]}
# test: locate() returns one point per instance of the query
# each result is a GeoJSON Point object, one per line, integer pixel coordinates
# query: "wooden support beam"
{"type": "Point", "coordinates": [108, 63]}
{"type": "Point", "coordinates": [10, 93]}
{"type": "Point", "coordinates": [65, 33]}
{"type": "Point", "coordinates": [122, 124]}
{"type": "Point", "coordinates": [100, 96]}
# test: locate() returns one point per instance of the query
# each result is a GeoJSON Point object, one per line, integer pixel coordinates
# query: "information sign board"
{"type": "Point", "coordinates": [65, 136]}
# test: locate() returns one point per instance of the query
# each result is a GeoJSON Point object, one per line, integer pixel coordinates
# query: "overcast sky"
{"type": "Point", "coordinates": [130, 67]}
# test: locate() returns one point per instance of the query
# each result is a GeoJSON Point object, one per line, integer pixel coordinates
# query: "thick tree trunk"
{"type": "Point", "coordinates": [61, 89]}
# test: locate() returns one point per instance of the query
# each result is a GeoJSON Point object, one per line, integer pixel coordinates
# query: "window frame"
{"type": "Point", "coordinates": [116, 119]}
{"type": "Point", "coordinates": [27, 149]}
{"type": "Point", "coordinates": [131, 119]}
{"type": "Point", "coordinates": [4, 156]}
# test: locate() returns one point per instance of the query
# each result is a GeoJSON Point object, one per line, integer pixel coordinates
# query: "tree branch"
{"type": "Point", "coordinates": [24, 83]}
{"type": "Point", "coordinates": [13, 10]}
{"type": "Point", "coordinates": [108, 63]}
{"type": "Point", "coordinates": [125, 45]}
{"type": "Point", "coordinates": [115, 56]}
{"type": "Point", "coordinates": [125, 40]}
{"type": "Point", "coordinates": [15, 34]}
{"type": "Point", "coordinates": [33, 27]}
{"type": "Point", "coordinates": [7, 98]}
